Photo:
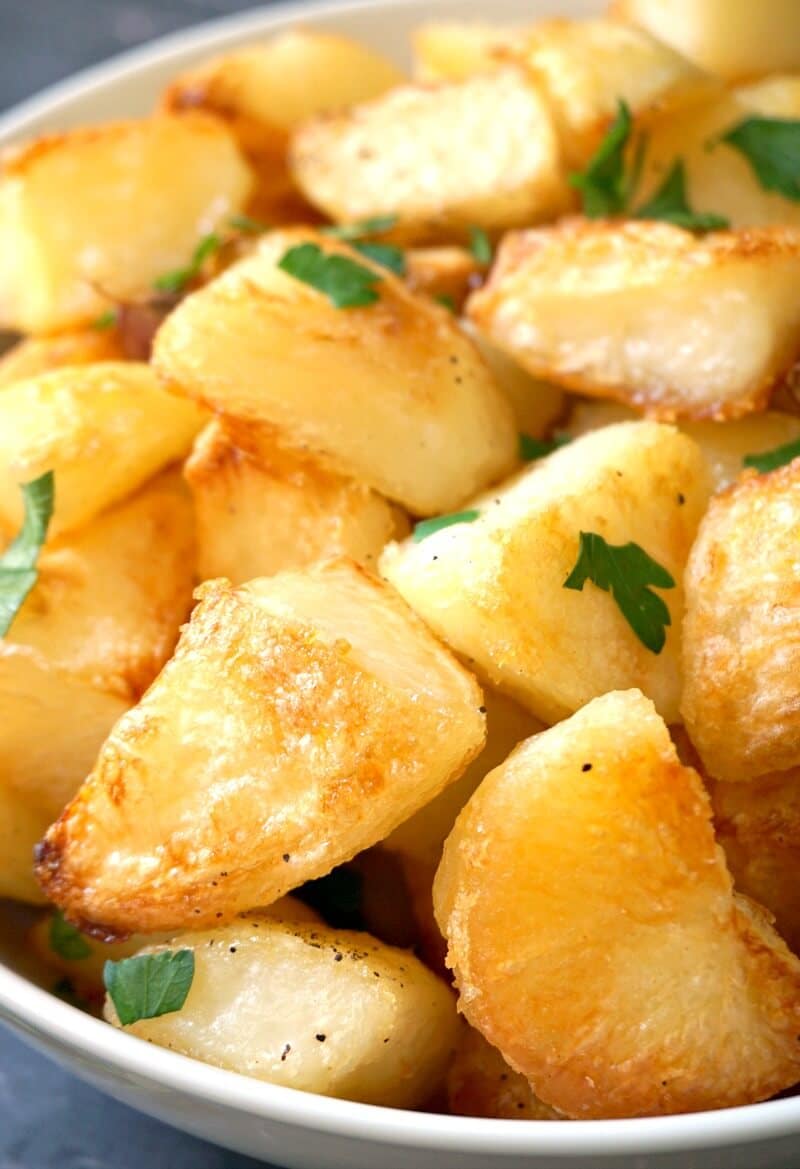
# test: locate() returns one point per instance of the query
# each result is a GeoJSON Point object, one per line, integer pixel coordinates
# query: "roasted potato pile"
{"type": "Point", "coordinates": [400, 563]}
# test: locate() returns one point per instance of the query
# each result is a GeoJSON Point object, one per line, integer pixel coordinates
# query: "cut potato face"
{"type": "Point", "coordinates": [308, 1007]}
{"type": "Point", "coordinates": [648, 314]}
{"type": "Point", "coordinates": [102, 429]}
{"type": "Point", "coordinates": [312, 705]}
{"type": "Point", "coordinates": [392, 393]}
{"type": "Point", "coordinates": [279, 510]}
{"type": "Point", "coordinates": [482, 151]}
{"type": "Point", "coordinates": [481, 1083]}
{"type": "Point", "coordinates": [741, 647]}
{"type": "Point", "coordinates": [774, 97]}
{"type": "Point", "coordinates": [494, 589]}
{"type": "Point", "coordinates": [36, 355]}
{"type": "Point", "coordinates": [102, 212]}
{"type": "Point", "coordinates": [587, 861]}
{"type": "Point", "coordinates": [449, 50]}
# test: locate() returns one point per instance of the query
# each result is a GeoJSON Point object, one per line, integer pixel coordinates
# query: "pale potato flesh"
{"type": "Point", "coordinates": [494, 589]}
{"type": "Point", "coordinates": [103, 430]}
{"type": "Point", "coordinates": [302, 717]}
{"type": "Point", "coordinates": [774, 97]}
{"type": "Point", "coordinates": [648, 314]}
{"type": "Point", "coordinates": [481, 1083]}
{"type": "Point", "coordinates": [35, 355]}
{"type": "Point", "coordinates": [308, 1007]}
{"type": "Point", "coordinates": [592, 923]}
{"type": "Point", "coordinates": [441, 157]}
{"type": "Point", "coordinates": [448, 50]}
{"type": "Point", "coordinates": [392, 393]}
{"type": "Point", "coordinates": [100, 213]}
{"type": "Point", "coordinates": [741, 647]}
{"type": "Point", "coordinates": [279, 510]}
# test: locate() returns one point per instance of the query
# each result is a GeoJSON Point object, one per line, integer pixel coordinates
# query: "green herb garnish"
{"type": "Point", "coordinates": [346, 283]}
{"type": "Point", "coordinates": [604, 186]}
{"type": "Point", "coordinates": [362, 228]}
{"type": "Point", "coordinates": [537, 448]}
{"type": "Point", "coordinates": [671, 205]}
{"type": "Point", "coordinates": [772, 148]}
{"type": "Point", "coordinates": [149, 985]}
{"type": "Point", "coordinates": [106, 320]}
{"type": "Point", "coordinates": [67, 941]}
{"type": "Point", "coordinates": [427, 528]}
{"type": "Point", "coordinates": [446, 301]}
{"type": "Point", "coordinates": [387, 255]}
{"type": "Point", "coordinates": [18, 572]}
{"type": "Point", "coordinates": [626, 571]}
{"type": "Point", "coordinates": [480, 245]}
{"type": "Point", "coordinates": [176, 281]}
{"type": "Point", "coordinates": [771, 460]}
{"type": "Point", "coordinates": [247, 225]}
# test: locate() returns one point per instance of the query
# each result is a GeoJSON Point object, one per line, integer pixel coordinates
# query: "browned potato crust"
{"type": "Point", "coordinates": [649, 314]}
{"type": "Point", "coordinates": [592, 923]}
{"type": "Point", "coordinates": [312, 705]}
{"type": "Point", "coordinates": [481, 1083]}
{"type": "Point", "coordinates": [34, 355]}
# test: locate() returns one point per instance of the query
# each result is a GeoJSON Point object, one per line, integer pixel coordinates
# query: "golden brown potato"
{"type": "Point", "coordinates": [648, 314]}
{"type": "Point", "coordinates": [741, 648]}
{"type": "Point", "coordinates": [102, 212]}
{"type": "Point", "coordinates": [447, 273]}
{"type": "Point", "coordinates": [103, 429]}
{"type": "Point", "coordinates": [481, 1083]}
{"type": "Point", "coordinates": [257, 516]}
{"type": "Point", "coordinates": [739, 39]}
{"type": "Point", "coordinates": [494, 589]}
{"type": "Point", "coordinates": [774, 97]}
{"type": "Point", "coordinates": [591, 923]}
{"type": "Point", "coordinates": [392, 394]}
{"type": "Point", "coordinates": [308, 1007]}
{"type": "Point", "coordinates": [441, 157]}
{"type": "Point", "coordinates": [537, 405]}
{"type": "Point", "coordinates": [36, 355]}
{"type": "Point", "coordinates": [448, 50]}
{"type": "Point", "coordinates": [313, 705]}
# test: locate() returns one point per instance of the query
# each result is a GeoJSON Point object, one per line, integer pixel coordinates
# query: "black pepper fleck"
{"type": "Point", "coordinates": [285, 1052]}
{"type": "Point", "coordinates": [586, 767]}
{"type": "Point", "coordinates": [681, 498]}
{"type": "Point", "coordinates": [286, 856]}
{"type": "Point", "coordinates": [232, 949]}
{"type": "Point", "coordinates": [320, 1038]}
{"type": "Point", "coordinates": [481, 710]}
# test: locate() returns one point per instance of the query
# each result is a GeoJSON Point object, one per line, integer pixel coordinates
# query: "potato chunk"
{"type": "Point", "coordinates": [494, 589]}
{"type": "Point", "coordinates": [741, 651]}
{"type": "Point", "coordinates": [313, 706]}
{"type": "Point", "coordinates": [481, 1083]}
{"type": "Point", "coordinates": [260, 515]}
{"type": "Point", "coordinates": [103, 429]}
{"type": "Point", "coordinates": [36, 355]}
{"type": "Point", "coordinates": [108, 209]}
{"type": "Point", "coordinates": [441, 157]}
{"type": "Point", "coordinates": [648, 314]}
{"type": "Point", "coordinates": [392, 393]}
{"type": "Point", "coordinates": [332, 1012]}
{"type": "Point", "coordinates": [449, 50]}
{"type": "Point", "coordinates": [591, 923]}
{"type": "Point", "coordinates": [447, 273]}
{"type": "Point", "coordinates": [775, 97]}
{"type": "Point", "coordinates": [537, 405]}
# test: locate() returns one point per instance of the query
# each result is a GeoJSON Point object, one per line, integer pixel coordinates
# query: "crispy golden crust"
{"type": "Point", "coordinates": [447, 271]}
{"type": "Point", "coordinates": [741, 647]}
{"type": "Point", "coordinates": [481, 1083]}
{"type": "Point", "coordinates": [35, 355]}
{"type": "Point", "coordinates": [591, 923]}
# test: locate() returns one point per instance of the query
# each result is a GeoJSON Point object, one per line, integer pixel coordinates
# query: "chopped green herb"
{"type": "Point", "coordinates": [387, 255]}
{"type": "Point", "coordinates": [67, 941]}
{"type": "Point", "coordinates": [446, 301]}
{"type": "Point", "coordinates": [670, 204]}
{"type": "Point", "coordinates": [771, 460]}
{"type": "Point", "coordinates": [106, 320]}
{"type": "Point", "coordinates": [177, 280]}
{"type": "Point", "coordinates": [604, 187]}
{"type": "Point", "coordinates": [346, 283]}
{"type": "Point", "coordinates": [537, 448]}
{"type": "Point", "coordinates": [480, 245]}
{"type": "Point", "coordinates": [362, 228]}
{"type": "Point", "coordinates": [626, 571]}
{"type": "Point", "coordinates": [426, 528]}
{"type": "Point", "coordinates": [247, 225]}
{"type": "Point", "coordinates": [18, 572]}
{"type": "Point", "coordinates": [772, 148]}
{"type": "Point", "coordinates": [149, 985]}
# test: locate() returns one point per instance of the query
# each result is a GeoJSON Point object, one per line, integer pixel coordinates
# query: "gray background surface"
{"type": "Point", "coordinates": [48, 1120]}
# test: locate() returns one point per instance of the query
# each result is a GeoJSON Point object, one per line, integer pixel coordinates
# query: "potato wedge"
{"type": "Point", "coordinates": [441, 157]}
{"type": "Point", "coordinates": [537, 405]}
{"type": "Point", "coordinates": [481, 1083]}
{"type": "Point", "coordinates": [258, 516]}
{"type": "Point", "coordinates": [308, 1007]}
{"type": "Point", "coordinates": [449, 50]}
{"type": "Point", "coordinates": [36, 355]}
{"type": "Point", "coordinates": [648, 314]}
{"type": "Point", "coordinates": [108, 209]}
{"type": "Point", "coordinates": [447, 273]}
{"type": "Point", "coordinates": [314, 705]}
{"type": "Point", "coordinates": [587, 863]}
{"type": "Point", "coordinates": [494, 589]}
{"type": "Point", "coordinates": [775, 97]}
{"type": "Point", "coordinates": [392, 394]}
{"type": "Point", "coordinates": [741, 647]}
{"type": "Point", "coordinates": [103, 429]}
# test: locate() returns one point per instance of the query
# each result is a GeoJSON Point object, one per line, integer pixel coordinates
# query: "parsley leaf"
{"type": "Point", "coordinates": [149, 985]}
{"type": "Point", "coordinates": [537, 448]}
{"type": "Point", "coordinates": [772, 148]}
{"type": "Point", "coordinates": [67, 941]}
{"type": "Point", "coordinates": [603, 185]}
{"type": "Point", "coordinates": [480, 245]}
{"type": "Point", "coordinates": [387, 255]}
{"type": "Point", "coordinates": [626, 571]}
{"type": "Point", "coordinates": [18, 572]}
{"type": "Point", "coordinates": [671, 205]}
{"type": "Point", "coordinates": [106, 320]}
{"type": "Point", "coordinates": [247, 225]}
{"type": "Point", "coordinates": [427, 527]}
{"type": "Point", "coordinates": [177, 280]}
{"type": "Point", "coordinates": [346, 283]}
{"type": "Point", "coordinates": [362, 228]}
{"type": "Point", "coordinates": [771, 460]}
{"type": "Point", "coordinates": [446, 301]}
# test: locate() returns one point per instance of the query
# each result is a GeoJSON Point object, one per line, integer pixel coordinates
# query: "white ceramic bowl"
{"type": "Point", "coordinates": [281, 1125]}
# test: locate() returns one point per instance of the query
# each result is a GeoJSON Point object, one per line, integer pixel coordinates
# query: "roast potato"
{"type": "Point", "coordinates": [449, 50]}
{"type": "Point", "coordinates": [36, 355]}
{"type": "Point", "coordinates": [774, 97]}
{"type": "Point", "coordinates": [494, 589]}
{"type": "Point", "coordinates": [440, 156]}
{"type": "Point", "coordinates": [308, 1007]}
{"type": "Point", "coordinates": [448, 273]}
{"type": "Point", "coordinates": [741, 648]}
{"type": "Point", "coordinates": [648, 314]}
{"type": "Point", "coordinates": [392, 394]}
{"type": "Point", "coordinates": [301, 719]}
{"type": "Point", "coordinates": [100, 213]}
{"type": "Point", "coordinates": [279, 510]}
{"type": "Point", "coordinates": [481, 1083]}
{"type": "Point", "coordinates": [591, 923]}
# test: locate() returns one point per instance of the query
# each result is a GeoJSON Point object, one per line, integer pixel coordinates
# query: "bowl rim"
{"type": "Point", "coordinates": [41, 1015]}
